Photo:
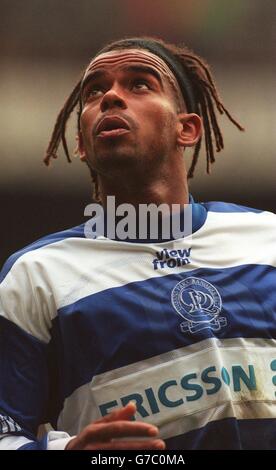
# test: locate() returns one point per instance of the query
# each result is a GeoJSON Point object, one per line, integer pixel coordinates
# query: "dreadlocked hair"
{"type": "Point", "coordinates": [196, 84]}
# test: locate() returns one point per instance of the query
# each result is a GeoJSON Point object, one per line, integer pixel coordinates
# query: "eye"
{"type": "Point", "coordinates": [93, 92]}
{"type": "Point", "coordinates": [141, 84]}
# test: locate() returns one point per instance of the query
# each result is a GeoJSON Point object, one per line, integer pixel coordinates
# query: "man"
{"type": "Point", "coordinates": [138, 344]}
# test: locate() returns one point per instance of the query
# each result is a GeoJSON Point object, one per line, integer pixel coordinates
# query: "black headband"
{"type": "Point", "coordinates": [176, 67]}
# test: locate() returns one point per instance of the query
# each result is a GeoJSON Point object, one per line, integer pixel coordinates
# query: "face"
{"type": "Point", "coordinates": [130, 104]}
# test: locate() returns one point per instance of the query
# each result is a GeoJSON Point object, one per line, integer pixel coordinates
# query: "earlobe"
{"type": "Point", "coordinates": [189, 130]}
{"type": "Point", "coordinates": [80, 147]}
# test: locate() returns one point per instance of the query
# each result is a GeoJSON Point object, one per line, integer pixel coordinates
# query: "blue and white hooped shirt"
{"type": "Point", "coordinates": [185, 328]}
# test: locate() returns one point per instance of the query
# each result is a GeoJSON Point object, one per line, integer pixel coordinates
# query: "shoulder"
{"type": "Point", "coordinates": [241, 219]}
{"type": "Point", "coordinates": [38, 246]}
{"type": "Point", "coordinates": [227, 207]}
{"type": "Point", "coordinates": [231, 211]}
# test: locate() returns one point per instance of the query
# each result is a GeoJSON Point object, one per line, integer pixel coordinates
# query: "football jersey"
{"type": "Point", "coordinates": [185, 328]}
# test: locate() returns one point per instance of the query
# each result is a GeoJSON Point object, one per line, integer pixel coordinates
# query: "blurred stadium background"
{"type": "Point", "coordinates": [44, 45]}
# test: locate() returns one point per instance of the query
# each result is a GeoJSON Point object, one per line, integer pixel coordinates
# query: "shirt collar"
{"type": "Point", "coordinates": [194, 213]}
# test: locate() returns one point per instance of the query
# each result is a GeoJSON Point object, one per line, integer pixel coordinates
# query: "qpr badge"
{"type": "Point", "coordinates": [199, 303]}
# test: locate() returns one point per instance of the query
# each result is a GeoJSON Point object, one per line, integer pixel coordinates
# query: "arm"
{"type": "Point", "coordinates": [24, 380]}
{"type": "Point", "coordinates": [23, 362]}
{"type": "Point", "coordinates": [23, 387]}
{"type": "Point", "coordinates": [23, 394]}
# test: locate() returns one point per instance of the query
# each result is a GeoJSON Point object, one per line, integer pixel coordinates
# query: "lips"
{"type": "Point", "coordinates": [111, 125]}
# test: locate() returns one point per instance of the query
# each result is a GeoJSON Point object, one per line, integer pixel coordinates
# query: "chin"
{"type": "Point", "coordinates": [116, 156]}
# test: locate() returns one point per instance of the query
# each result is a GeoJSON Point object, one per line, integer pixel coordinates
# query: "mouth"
{"type": "Point", "coordinates": [112, 126]}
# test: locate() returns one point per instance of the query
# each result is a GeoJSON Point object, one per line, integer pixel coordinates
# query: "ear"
{"type": "Point", "coordinates": [189, 129]}
{"type": "Point", "coordinates": [80, 146]}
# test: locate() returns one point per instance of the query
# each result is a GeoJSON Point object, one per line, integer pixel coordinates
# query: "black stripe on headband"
{"type": "Point", "coordinates": [176, 67]}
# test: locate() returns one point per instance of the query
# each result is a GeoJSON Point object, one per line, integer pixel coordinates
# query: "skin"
{"type": "Point", "coordinates": [150, 156]}
{"type": "Point", "coordinates": [100, 434]}
{"type": "Point", "coordinates": [141, 165]}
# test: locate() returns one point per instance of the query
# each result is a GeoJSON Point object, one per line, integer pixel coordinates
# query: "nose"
{"type": "Point", "coordinates": [112, 99]}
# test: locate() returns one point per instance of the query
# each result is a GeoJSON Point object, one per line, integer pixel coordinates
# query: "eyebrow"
{"type": "Point", "coordinates": [144, 69]}
{"type": "Point", "coordinates": [92, 76]}
{"type": "Point", "coordinates": [128, 68]}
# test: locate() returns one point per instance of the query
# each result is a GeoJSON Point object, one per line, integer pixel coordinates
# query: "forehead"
{"type": "Point", "coordinates": [113, 59]}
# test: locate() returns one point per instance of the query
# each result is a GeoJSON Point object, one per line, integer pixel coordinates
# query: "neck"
{"type": "Point", "coordinates": [168, 186]}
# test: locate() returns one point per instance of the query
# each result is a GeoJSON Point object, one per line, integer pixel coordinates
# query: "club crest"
{"type": "Point", "coordinates": [199, 303]}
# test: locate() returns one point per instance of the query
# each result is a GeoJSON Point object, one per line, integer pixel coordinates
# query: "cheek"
{"type": "Point", "coordinates": [158, 112]}
{"type": "Point", "coordinates": [87, 120]}
{"type": "Point", "coordinates": [160, 119]}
